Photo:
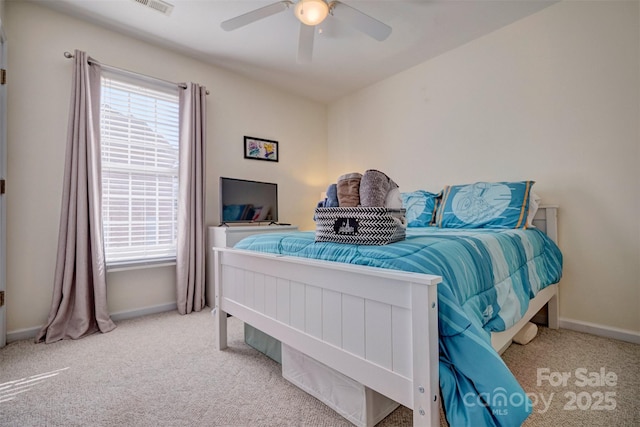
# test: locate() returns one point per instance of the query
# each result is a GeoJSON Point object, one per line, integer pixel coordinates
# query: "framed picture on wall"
{"type": "Point", "coordinates": [260, 149]}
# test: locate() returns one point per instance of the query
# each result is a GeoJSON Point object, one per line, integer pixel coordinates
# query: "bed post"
{"type": "Point", "coordinates": [551, 229]}
{"type": "Point", "coordinates": [424, 323]}
{"type": "Point", "coordinates": [220, 316]}
{"type": "Point", "coordinates": [551, 217]}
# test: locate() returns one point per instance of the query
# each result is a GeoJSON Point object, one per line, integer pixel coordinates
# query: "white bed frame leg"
{"type": "Point", "coordinates": [221, 329]}
{"type": "Point", "coordinates": [220, 316]}
{"type": "Point", "coordinates": [553, 312]}
{"type": "Point", "coordinates": [426, 394]}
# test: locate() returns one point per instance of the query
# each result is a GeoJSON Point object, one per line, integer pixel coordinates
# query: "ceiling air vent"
{"type": "Point", "coordinates": [157, 5]}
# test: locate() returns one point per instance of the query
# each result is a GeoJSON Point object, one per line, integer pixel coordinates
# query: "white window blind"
{"type": "Point", "coordinates": [139, 136]}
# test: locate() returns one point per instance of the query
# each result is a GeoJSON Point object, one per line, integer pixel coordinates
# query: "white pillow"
{"type": "Point", "coordinates": [534, 203]}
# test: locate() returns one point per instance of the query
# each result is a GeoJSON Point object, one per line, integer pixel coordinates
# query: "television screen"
{"type": "Point", "coordinates": [248, 201]}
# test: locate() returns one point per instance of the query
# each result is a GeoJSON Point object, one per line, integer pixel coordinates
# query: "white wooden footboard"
{"type": "Point", "coordinates": [377, 326]}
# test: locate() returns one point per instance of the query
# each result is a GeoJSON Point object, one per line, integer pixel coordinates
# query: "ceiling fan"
{"type": "Point", "coordinates": [311, 13]}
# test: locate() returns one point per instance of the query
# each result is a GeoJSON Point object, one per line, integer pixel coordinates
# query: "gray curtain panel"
{"type": "Point", "coordinates": [79, 303]}
{"type": "Point", "coordinates": [190, 256]}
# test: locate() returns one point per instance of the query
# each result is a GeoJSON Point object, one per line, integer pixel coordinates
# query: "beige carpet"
{"type": "Point", "coordinates": [162, 370]}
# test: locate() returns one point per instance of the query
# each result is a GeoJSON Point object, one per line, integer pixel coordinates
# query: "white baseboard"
{"type": "Point", "coordinates": [23, 334]}
{"type": "Point", "coordinates": [30, 333]}
{"type": "Point", "coordinates": [139, 312]}
{"type": "Point", "coordinates": [600, 330]}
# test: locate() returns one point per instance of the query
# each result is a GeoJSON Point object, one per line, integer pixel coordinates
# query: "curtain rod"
{"type": "Point", "coordinates": [69, 55]}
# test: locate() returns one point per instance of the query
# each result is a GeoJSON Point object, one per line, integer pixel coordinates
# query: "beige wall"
{"type": "Point", "coordinates": [554, 98]}
{"type": "Point", "coordinates": [38, 99]}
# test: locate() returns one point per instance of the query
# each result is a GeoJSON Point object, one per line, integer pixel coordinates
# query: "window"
{"type": "Point", "coordinates": [139, 135]}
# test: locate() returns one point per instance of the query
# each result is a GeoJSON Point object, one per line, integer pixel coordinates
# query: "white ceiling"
{"type": "Point", "coordinates": [344, 59]}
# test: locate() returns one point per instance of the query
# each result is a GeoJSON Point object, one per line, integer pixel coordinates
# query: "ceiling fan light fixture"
{"type": "Point", "coordinates": [311, 12]}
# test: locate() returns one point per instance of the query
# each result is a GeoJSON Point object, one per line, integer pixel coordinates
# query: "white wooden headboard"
{"type": "Point", "coordinates": [546, 220]}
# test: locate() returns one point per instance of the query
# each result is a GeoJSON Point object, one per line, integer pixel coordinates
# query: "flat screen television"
{"type": "Point", "coordinates": [242, 200]}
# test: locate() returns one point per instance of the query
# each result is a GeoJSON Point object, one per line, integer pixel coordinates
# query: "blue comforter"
{"type": "Point", "coordinates": [488, 278]}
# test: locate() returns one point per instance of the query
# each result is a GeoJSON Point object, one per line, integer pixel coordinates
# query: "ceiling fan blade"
{"type": "Point", "coordinates": [361, 21]}
{"type": "Point", "coordinates": [305, 43]}
{"type": "Point", "coordinates": [255, 15]}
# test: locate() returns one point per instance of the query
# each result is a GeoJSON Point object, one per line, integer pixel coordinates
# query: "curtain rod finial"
{"type": "Point", "coordinates": [68, 55]}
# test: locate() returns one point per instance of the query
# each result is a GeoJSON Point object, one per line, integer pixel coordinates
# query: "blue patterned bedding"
{"type": "Point", "coordinates": [488, 277]}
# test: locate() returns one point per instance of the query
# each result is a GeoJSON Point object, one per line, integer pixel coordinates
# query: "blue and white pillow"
{"type": "Point", "coordinates": [485, 205]}
{"type": "Point", "coordinates": [420, 206]}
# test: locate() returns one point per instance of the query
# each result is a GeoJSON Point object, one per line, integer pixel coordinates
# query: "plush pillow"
{"type": "Point", "coordinates": [420, 206]}
{"type": "Point", "coordinates": [534, 204]}
{"type": "Point", "coordinates": [485, 205]}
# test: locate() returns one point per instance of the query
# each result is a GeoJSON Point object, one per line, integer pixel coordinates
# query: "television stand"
{"type": "Point", "coordinates": [226, 236]}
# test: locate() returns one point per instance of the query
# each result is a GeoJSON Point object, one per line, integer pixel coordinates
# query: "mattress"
{"type": "Point", "coordinates": [492, 274]}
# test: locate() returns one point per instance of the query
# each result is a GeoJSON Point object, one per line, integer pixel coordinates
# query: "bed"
{"type": "Point", "coordinates": [380, 326]}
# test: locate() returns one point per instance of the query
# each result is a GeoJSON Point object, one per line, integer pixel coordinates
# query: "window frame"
{"type": "Point", "coordinates": [142, 254]}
